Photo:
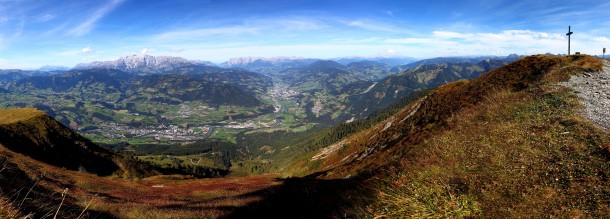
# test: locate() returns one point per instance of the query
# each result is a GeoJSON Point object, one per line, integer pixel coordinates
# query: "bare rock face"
{"type": "Point", "coordinates": [593, 88]}
{"type": "Point", "coordinates": [141, 64]}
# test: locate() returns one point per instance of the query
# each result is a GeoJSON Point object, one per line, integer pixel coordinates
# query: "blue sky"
{"type": "Point", "coordinates": [63, 32]}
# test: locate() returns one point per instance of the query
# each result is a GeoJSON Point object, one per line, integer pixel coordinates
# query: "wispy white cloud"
{"type": "Point", "coordinates": [373, 26]}
{"type": "Point", "coordinates": [54, 30]}
{"type": "Point", "coordinates": [379, 26]}
{"type": "Point", "coordinates": [87, 50]}
{"type": "Point", "coordinates": [87, 25]}
{"type": "Point", "coordinates": [177, 50]}
{"type": "Point", "coordinates": [196, 34]}
{"type": "Point", "coordinates": [412, 40]}
{"type": "Point", "coordinates": [296, 24]}
{"type": "Point", "coordinates": [3, 19]}
{"type": "Point", "coordinates": [546, 15]}
{"type": "Point", "coordinates": [45, 18]}
{"type": "Point", "coordinates": [602, 39]}
{"type": "Point", "coordinates": [279, 26]}
{"type": "Point", "coordinates": [19, 28]}
{"type": "Point", "coordinates": [449, 34]}
{"type": "Point", "coordinates": [329, 50]}
{"type": "Point", "coordinates": [90, 58]}
{"type": "Point", "coordinates": [145, 51]}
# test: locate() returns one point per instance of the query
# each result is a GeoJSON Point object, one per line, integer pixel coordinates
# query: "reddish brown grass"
{"type": "Point", "coordinates": [157, 197]}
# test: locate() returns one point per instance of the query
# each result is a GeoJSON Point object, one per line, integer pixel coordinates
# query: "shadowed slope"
{"type": "Point", "coordinates": [307, 197]}
{"type": "Point", "coordinates": [33, 133]}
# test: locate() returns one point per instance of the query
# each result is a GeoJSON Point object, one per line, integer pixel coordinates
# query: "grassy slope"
{"type": "Point", "coordinates": [171, 196]}
{"type": "Point", "coordinates": [515, 155]}
{"type": "Point", "coordinates": [32, 132]}
{"type": "Point", "coordinates": [494, 146]}
{"type": "Point", "coordinates": [8, 116]}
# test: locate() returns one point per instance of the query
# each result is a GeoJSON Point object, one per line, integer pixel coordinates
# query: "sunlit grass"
{"type": "Point", "coordinates": [513, 155]}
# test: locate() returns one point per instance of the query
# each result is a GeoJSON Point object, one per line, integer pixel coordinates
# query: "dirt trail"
{"type": "Point", "coordinates": [593, 88]}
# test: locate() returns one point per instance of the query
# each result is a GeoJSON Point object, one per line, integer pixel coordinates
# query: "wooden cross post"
{"type": "Point", "coordinates": [569, 34]}
{"type": "Point", "coordinates": [604, 53]}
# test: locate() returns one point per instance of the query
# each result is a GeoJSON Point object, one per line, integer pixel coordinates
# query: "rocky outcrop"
{"type": "Point", "coordinates": [593, 89]}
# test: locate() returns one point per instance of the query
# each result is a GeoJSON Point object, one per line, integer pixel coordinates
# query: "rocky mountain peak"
{"type": "Point", "coordinates": [145, 64]}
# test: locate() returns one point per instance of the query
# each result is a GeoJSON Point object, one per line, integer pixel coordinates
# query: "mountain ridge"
{"type": "Point", "coordinates": [421, 77]}
{"type": "Point", "coordinates": [145, 64]}
{"type": "Point", "coordinates": [33, 133]}
{"type": "Point", "coordinates": [454, 60]}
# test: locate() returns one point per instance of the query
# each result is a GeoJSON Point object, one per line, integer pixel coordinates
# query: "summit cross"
{"type": "Point", "coordinates": [569, 34]}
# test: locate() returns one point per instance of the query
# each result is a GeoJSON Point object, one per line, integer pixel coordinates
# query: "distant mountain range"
{"type": "Point", "coordinates": [320, 76]}
{"type": "Point", "coordinates": [147, 64]}
{"type": "Point", "coordinates": [275, 64]}
{"type": "Point", "coordinates": [439, 60]}
{"type": "Point", "coordinates": [358, 89]}
{"type": "Point", "coordinates": [48, 68]}
{"type": "Point", "coordinates": [138, 91]}
{"type": "Point", "coordinates": [267, 66]}
{"type": "Point", "coordinates": [380, 94]}
{"type": "Point", "coordinates": [392, 61]}
{"type": "Point", "coordinates": [143, 65]}
{"type": "Point", "coordinates": [8, 75]}
{"type": "Point", "coordinates": [208, 84]}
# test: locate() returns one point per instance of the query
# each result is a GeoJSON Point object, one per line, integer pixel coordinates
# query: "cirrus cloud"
{"type": "Point", "coordinates": [206, 32]}
{"type": "Point", "coordinates": [86, 26]}
{"type": "Point", "coordinates": [45, 18]}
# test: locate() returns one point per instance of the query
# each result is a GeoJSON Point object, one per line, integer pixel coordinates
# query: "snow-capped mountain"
{"type": "Point", "coordinates": [142, 64]}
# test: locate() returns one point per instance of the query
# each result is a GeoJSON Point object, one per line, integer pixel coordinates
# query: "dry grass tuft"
{"type": "Point", "coordinates": [588, 63]}
{"type": "Point", "coordinates": [8, 210]}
